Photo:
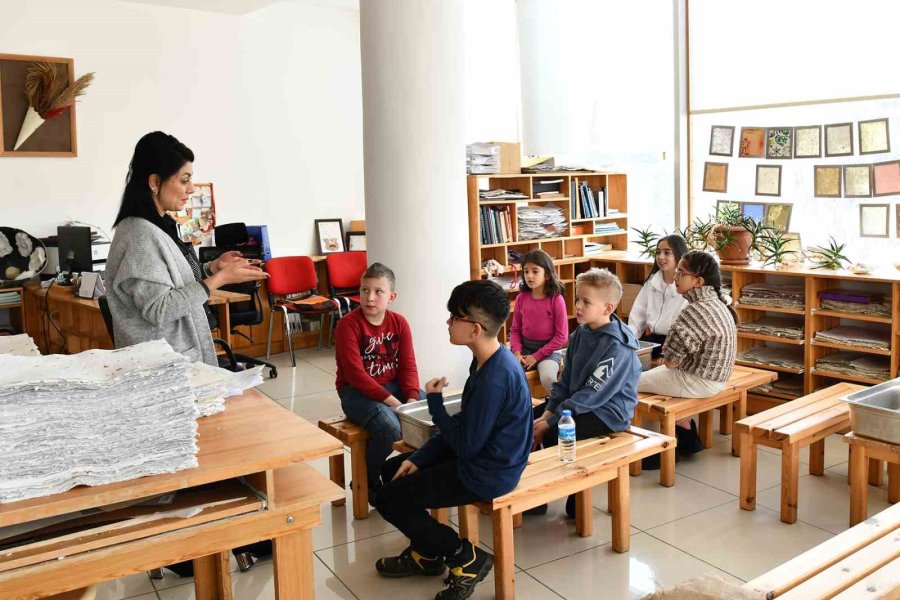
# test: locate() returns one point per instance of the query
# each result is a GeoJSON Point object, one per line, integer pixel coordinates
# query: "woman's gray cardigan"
{"type": "Point", "coordinates": [152, 292]}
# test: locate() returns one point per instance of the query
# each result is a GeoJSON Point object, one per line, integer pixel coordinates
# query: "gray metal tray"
{"type": "Point", "coordinates": [875, 412]}
{"type": "Point", "coordinates": [415, 420]}
{"type": "Point", "coordinates": [645, 353]}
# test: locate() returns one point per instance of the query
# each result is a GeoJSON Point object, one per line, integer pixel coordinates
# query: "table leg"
{"type": "Point", "coordinates": [293, 558]}
{"type": "Point", "coordinates": [893, 482]}
{"type": "Point", "coordinates": [360, 483]}
{"type": "Point", "coordinates": [790, 476]}
{"type": "Point", "coordinates": [504, 555]}
{"type": "Point", "coordinates": [468, 523]}
{"type": "Point", "coordinates": [859, 491]}
{"type": "Point", "coordinates": [817, 458]}
{"type": "Point", "coordinates": [517, 520]}
{"type": "Point", "coordinates": [738, 412]}
{"type": "Point", "coordinates": [748, 470]}
{"type": "Point", "coordinates": [212, 577]}
{"type": "Point", "coordinates": [621, 525]}
{"type": "Point", "coordinates": [667, 458]}
{"type": "Point", "coordinates": [876, 472]}
{"type": "Point", "coordinates": [584, 513]}
{"type": "Point", "coordinates": [336, 474]}
{"type": "Point", "coordinates": [441, 515]}
{"type": "Point", "coordinates": [706, 428]}
{"type": "Point", "coordinates": [224, 322]}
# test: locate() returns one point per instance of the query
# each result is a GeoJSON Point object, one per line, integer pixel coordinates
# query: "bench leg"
{"type": "Point", "coordinates": [748, 470]}
{"type": "Point", "coordinates": [706, 428]}
{"type": "Point", "coordinates": [859, 492]}
{"type": "Point", "coordinates": [504, 557]}
{"type": "Point", "coordinates": [667, 458]}
{"type": "Point", "coordinates": [621, 525]}
{"type": "Point", "coordinates": [790, 475]}
{"type": "Point", "coordinates": [584, 513]}
{"type": "Point", "coordinates": [817, 458]}
{"type": "Point", "coordinates": [876, 472]}
{"type": "Point", "coordinates": [517, 520]}
{"type": "Point", "coordinates": [441, 515]}
{"type": "Point", "coordinates": [738, 412]}
{"type": "Point", "coordinates": [726, 418]}
{"type": "Point", "coordinates": [212, 577]}
{"type": "Point", "coordinates": [468, 523]}
{"type": "Point", "coordinates": [893, 482]}
{"type": "Point", "coordinates": [360, 484]}
{"type": "Point", "coordinates": [336, 474]}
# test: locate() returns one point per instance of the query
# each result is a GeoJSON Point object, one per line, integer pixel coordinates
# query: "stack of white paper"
{"type": "Point", "coordinates": [537, 222]}
{"type": "Point", "coordinates": [18, 345]}
{"type": "Point", "coordinates": [211, 385]}
{"type": "Point", "coordinates": [482, 158]}
{"type": "Point", "coordinates": [93, 418]}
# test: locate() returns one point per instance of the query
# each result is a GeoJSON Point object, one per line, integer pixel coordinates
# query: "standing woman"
{"type": "Point", "coordinates": [157, 289]}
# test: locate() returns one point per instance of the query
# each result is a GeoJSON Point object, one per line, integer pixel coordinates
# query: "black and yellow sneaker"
{"type": "Point", "coordinates": [467, 568]}
{"type": "Point", "coordinates": [410, 563]}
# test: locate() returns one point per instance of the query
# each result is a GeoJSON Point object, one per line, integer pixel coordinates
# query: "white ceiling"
{"type": "Point", "coordinates": [242, 7]}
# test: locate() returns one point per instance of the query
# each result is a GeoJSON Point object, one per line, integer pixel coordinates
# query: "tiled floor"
{"type": "Point", "coordinates": [692, 529]}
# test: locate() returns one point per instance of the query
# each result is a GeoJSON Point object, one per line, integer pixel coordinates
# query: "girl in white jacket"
{"type": "Point", "coordinates": [658, 304]}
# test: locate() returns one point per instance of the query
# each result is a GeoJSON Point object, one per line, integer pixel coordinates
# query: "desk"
{"type": "Point", "coordinates": [254, 438]}
{"type": "Point", "coordinates": [221, 299]}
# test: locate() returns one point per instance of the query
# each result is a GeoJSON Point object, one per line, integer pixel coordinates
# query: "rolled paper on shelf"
{"type": "Point", "coordinates": [32, 121]}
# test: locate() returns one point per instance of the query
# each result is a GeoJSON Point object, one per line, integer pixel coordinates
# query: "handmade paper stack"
{"type": "Point", "coordinates": [786, 327]}
{"type": "Point", "coordinates": [787, 357]}
{"type": "Point", "coordinates": [211, 385]}
{"type": "Point", "coordinates": [774, 294]}
{"type": "Point", "coordinates": [856, 301]}
{"type": "Point", "coordinates": [93, 418]}
{"type": "Point", "coordinates": [19, 345]}
{"type": "Point", "coordinates": [863, 337]}
{"type": "Point", "coordinates": [536, 222]}
{"type": "Point", "coordinates": [786, 385]}
{"type": "Point", "coordinates": [856, 363]}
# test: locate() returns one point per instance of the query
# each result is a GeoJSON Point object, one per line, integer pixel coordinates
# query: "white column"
{"type": "Point", "coordinates": [414, 148]}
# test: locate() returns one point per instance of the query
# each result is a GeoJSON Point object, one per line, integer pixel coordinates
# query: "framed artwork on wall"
{"type": "Point", "coordinates": [873, 220]}
{"type": "Point", "coordinates": [331, 235]}
{"type": "Point", "coordinates": [779, 142]}
{"type": "Point", "coordinates": [778, 216]}
{"type": "Point", "coordinates": [356, 241]}
{"type": "Point", "coordinates": [768, 180]}
{"type": "Point", "coordinates": [197, 220]}
{"type": "Point", "coordinates": [839, 139]}
{"type": "Point", "coordinates": [874, 137]}
{"type": "Point", "coordinates": [897, 230]}
{"type": "Point", "coordinates": [721, 140]}
{"type": "Point", "coordinates": [886, 178]}
{"type": "Point", "coordinates": [827, 181]}
{"type": "Point", "coordinates": [808, 141]}
{"type": "Point", "coordinates": [715, 177]}
{"type": "Point", "coordinates": [857, 181]}
{"type": "Point", "coordinates": [754, 210]}
{"type": "Point", "coordinates": [753, 142]}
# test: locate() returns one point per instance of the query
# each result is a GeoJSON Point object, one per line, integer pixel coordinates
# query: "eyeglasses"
{"type": "Point", "coordinates": [454, 318]}
{"type": "Point", "coordinates": [679, 273]}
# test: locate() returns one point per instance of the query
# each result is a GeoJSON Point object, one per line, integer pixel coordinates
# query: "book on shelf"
{"type": "Point", "coordinates": [496, 224]}
{"type": "Point", "coordinates": [595, 248]}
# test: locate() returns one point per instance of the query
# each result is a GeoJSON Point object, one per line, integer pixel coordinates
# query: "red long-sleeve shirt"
{"type": "Point", "coordinates": [369, 356]}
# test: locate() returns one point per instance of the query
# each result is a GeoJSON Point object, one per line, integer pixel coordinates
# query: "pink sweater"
{"type": "Point", "coordinates": [543, 319]}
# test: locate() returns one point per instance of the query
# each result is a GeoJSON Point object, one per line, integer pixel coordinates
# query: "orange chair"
{"type": "Point", "coordinates": [295, 276]}
{"type": "Point", "coordinates": [345, 269]}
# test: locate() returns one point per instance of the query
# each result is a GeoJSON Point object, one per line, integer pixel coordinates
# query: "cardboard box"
{"type": "Point", "coordinates": [510, 157]}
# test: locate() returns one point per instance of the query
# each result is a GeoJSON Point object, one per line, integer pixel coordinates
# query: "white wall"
{"type": "Point", "coordinates": [269, 102]}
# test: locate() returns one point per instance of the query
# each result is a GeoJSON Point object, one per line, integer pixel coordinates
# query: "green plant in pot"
{"type": "Point", "coordinates": [732, 235]}
{"type": "Point", "coordinates": [647, 240]}
{"type": "Point", "coordinates": [774, 247]}
{"type": "Point", "coordinates": [831, 257]}
{"type": "Point", "coordinates": [698, 234]}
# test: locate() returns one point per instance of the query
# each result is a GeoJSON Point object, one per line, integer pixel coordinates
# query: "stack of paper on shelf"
{"type": "Point", "coordinates": [786, 327]}
{"type": "Point", "coordinates": [537, 222]}
{"type": "Point", "coordinates": [787, 384]}
{"type": "Point", "coordinates": [849, 335]}
{"type": "Point", "coordinates": [501, 194]}
{"type": "Point", "coordinates": [93, 418]}
{"type": "Point", "coordinates": [774, 294]}
{"type": "Point", "coordinates": [787, 357]}
{"type": "Point", "coordinates": [18, 345]}
{"type": "Point", "coordinates": [482, 158]}
{"type": "Point", "coordinates": [856, 301]}
{"type": "Point", "coordinates": [7, 298]}
{"type": "Point", "coordinates": [856, 363]}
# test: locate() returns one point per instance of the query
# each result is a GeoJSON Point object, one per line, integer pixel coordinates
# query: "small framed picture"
{"type": "Point", "coordinates": [897, 231]}
{"type": "Point", "coordinates": [808, 141]}
{"type": "Point", "coordinates": [827, 181]}
{"type": "Point", "coordinates": [753, 142]}
{"type": "Point", "coordinates": [857, 181]}
{"type": "Point", "coordinates": [886, 178]}
{"type": "Point", "coordinates": [874, 137]}
{"type": "Point", "coordinates": [721, 140]}
{"type": "Point", "coordinates": [768, 180]}
{"type": "Point", "coordinates": [356, 241]}
{"type": "Point", "coordinates": [873, 220]}
{"type": "Point", "coordinates": [839, 139]}
{"type": "Point", "coordinates": [778, 216]}
{"type": "Point", "coordinates": [779, 142]}
{"type": "Point", "coordinates": [331, 235]}
{"type": "Point", "coordinates": [794, 243]}
{"type": "Point", "coordinates": [754, 210]}
{"type": "Point", "coordinates": [715, 177]}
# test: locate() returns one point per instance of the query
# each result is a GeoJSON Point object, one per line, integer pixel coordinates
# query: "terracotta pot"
{"type": "Point", "coordinates": [737, 252]}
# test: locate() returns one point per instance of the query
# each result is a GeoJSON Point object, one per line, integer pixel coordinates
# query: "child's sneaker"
{"type": "Point", "coordinates": [409, 563]}
{"type": "Point", "coordinates": [467, 568]}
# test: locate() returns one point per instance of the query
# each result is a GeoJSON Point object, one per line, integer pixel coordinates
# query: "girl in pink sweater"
{"type": "Point", "coordinates": [540, 326]}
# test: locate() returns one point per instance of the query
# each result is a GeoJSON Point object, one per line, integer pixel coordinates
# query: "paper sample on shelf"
{"type": "Point", "coordinates": [536, 222]}
{"type": "Point", "coordinates": [856, 363]}
{"type": "Point", "coordinates": [774, 295]}
{"type": "Point", "coordinates": [864, 337]}
{"type": "Point", "coordinates": [786, 327]}
{"type": "Point", "coordinates": [787, 357]}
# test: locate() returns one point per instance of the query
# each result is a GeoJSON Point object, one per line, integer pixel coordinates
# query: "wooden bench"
{"type": "Point", "coordinates": [535, 385]}
{"type": "Point", "coordinates": [600, 460]}
{"type": "Point", "coordinates": [354, 437]}
{"type": "Point", "coordinates": [668, 410]}
{"type": "Point", "coordinates": [862, 562]}
{"type": "Point", "coordinates": [866, 452]}
{"type": "Point", "coordinates": [806, 421]}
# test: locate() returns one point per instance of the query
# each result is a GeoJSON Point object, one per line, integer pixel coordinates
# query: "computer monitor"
{"type": "Point", "coordinates": [74, 248]}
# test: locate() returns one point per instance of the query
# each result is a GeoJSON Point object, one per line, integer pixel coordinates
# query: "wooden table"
{"type": "Point", "coordinates": [866, 455]}
{"type": "Point", "coordinates": [254, 439]}
{"type": "Point", "coordinates": [221, 300]}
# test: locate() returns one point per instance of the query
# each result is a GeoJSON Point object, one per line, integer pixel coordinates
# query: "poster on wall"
{"type": "Point", "coordinates": [197, 220]}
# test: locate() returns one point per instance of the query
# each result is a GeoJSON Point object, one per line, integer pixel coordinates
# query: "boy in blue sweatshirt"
{"type": "Point", "coordinates": [478, 454]}
{"type": "Point", "coordinates": [599, 380]}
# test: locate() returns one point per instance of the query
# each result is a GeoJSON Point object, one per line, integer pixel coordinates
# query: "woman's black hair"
{"type": "Point", "coordinates": [703, 264]}
{"type": "Point", "coordinates": [679, 248]}
{"type": "Point", "coordinates": [156, 153]}
{"type": "Point", "coordinates": [552, 285]}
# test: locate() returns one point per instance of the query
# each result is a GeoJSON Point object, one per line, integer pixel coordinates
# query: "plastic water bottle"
{"type": "Point", "coordinates": [566, 448]}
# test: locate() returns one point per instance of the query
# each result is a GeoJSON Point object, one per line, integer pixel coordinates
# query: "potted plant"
{"type": "Point", "coordinates": [773, 246]}
{"type": "Point", "coordinates": [732, 235]}
{"type": "Point", "coordinates": [697, 234]}
{"type": "Point", "coordinates": [647, 240]}
{"type": "Point", "coordinates": [831, 258]}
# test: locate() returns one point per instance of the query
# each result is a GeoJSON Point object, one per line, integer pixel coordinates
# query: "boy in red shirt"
{"type": "Point", "coordinates": [376, 368]}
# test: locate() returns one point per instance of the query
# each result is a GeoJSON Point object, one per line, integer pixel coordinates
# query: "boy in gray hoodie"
{"type": "Point", "coordinates": [599, 380]}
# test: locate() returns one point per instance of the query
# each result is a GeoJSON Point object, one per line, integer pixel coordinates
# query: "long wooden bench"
{"type": "Point", "coordinates": [806, 421]}
{"type": "Point", "coordinates": [354, 437]}
{"type": "Point", "coordinates": [862, 562]}
{"type": "Point", "coordinates": [668, 410]}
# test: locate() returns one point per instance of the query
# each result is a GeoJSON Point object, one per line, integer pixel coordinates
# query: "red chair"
{"type": "Point", "coordinates": [295, 276]}
{"type": "Point", "coordinates": [345, 269]}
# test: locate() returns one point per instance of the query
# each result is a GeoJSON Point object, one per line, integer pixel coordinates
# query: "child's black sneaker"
{"type": "Point", "coordinates": [540, 509]}
{"type": "Point", "coordinates": [409, 563]}
{"type": "Point", "coordinates": [689, 441]}
{"type": "Point", "coordinates": [467, 568]}
{"type": "Point", "coordinates": [570, 506]}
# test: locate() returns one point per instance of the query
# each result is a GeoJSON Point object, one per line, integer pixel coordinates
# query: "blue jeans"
{"type": "Point", "coordinates": [379, 420]}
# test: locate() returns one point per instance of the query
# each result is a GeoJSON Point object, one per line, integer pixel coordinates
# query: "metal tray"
{"type": "Point", "coordinates": [875, 412]}
{"type": "Point", "coordinates": [645, 353]}
{"type": "Point", "coordinates": [415, 420]}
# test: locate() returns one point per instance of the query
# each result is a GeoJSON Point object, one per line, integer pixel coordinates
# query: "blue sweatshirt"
{"type": "Point", "coordinates": [600, 376]}
{"type": "Point", "coordinates": [492, 434]}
